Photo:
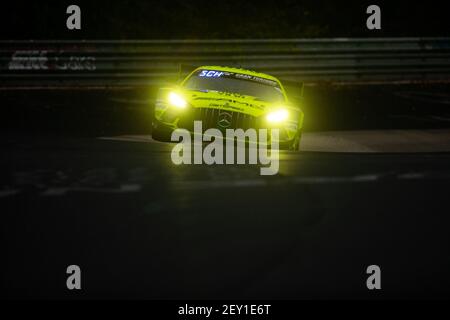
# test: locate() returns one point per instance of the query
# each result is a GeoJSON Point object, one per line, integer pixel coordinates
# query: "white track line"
{"type": "Point", "coordinates": [367, 141]}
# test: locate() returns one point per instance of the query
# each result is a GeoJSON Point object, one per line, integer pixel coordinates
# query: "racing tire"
{"type": "Point", "coordinates": [295, 145]}
{"type": "Point", "coordinates": [160, 133]}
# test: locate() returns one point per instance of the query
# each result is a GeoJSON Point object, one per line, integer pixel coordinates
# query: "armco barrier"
{"type": "Point", "coordinates": [129, 63]}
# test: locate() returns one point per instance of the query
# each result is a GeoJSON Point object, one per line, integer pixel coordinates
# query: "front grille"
{"type": "Point", "coordinates": [219, 119]}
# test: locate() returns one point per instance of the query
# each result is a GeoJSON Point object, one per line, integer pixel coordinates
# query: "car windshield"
{"type": "Point", "coordinates": [211, 80]}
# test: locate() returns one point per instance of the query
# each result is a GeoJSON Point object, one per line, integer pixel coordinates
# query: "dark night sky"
{"type": "Point", "coordinates": [181, 19]}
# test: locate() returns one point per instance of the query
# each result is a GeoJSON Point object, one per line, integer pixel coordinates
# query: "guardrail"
{"type": "Point", "coordinates": [129, 63]}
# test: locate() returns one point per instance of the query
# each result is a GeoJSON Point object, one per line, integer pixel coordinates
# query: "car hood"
{"type": "Point", "coordinates": [227, 101]}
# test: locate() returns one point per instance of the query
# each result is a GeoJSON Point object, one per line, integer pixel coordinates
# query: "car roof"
{"type": "Point", "coordinates": [239, 70]}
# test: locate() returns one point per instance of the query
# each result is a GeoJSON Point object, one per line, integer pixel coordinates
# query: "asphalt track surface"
{"type": "Point", "coordinates": [141, 227]}
{"type": "Point", "coordinates": [355, 141]}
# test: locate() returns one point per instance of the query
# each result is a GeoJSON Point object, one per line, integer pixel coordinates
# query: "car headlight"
{"type": "Point", "coordinates": [277, 116]}
{"type": "Point", "coordinates": [177, 101]}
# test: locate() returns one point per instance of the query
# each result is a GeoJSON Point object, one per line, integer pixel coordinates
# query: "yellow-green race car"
{"type": "Point", "coordinates": [228, 98]}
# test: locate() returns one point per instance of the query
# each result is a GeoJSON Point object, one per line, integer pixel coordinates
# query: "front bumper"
{"type": "Point", "coordinates": [222, 120]}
